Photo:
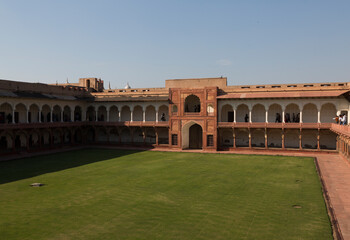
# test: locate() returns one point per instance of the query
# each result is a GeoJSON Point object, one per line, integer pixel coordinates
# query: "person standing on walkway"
{"type": "Point", "coordinates": [344, 120]}
{"type": "Point", "coordinates": [336, 119]}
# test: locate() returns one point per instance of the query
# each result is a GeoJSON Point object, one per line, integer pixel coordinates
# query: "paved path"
{"type": "Point", "coordinates": [334, 170]}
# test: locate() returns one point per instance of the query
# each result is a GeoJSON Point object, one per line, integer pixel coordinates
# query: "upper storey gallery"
{"type": "Point", "coordinates": [186, 98]}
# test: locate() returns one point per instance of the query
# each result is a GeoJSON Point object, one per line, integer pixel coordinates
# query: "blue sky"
{"type": "Point", "coordinates": [146, 42]}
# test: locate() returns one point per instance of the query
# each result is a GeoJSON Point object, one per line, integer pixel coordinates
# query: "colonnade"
{"type": "Point", "coordinates": [274, 112]}
{"type": "Point", "coordinates": [343, 146]}
{"type": "Point", "coordinates": [231, 138]}
{"type": "Point", "coordinates": [33, 113]}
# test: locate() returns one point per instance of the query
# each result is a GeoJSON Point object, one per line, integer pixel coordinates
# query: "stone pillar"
{"type": "Point", "coordinates": [234, 138]}
{"type": "Point", "coordinates": [143, 115]}
{"type": "Point", "coordinates": [282, 139]}
{"type": "Point", "coordinates": [72, 115]}
{"type": "Point", "coordinates": [108, 137]}
{"type": "Point", "coordinates": [62, 139]}
{"type": "Point", "coordinates": [266, 144]}
{"type": "Point", "coordinates": [119, 116]}
{"type": "Point", "coordinates": [318, 116]}
{"type": "Point", "coordinates": [301, 116]}
{"type": "Point", "coordinates": [250, 115]}
{"type": "Point", "coordinates": [132, 115]}
{"type": "Point", "coordinates": [234, 116]}
{"type": "Point", "coordinates": [72, 137]}
{"type": "Point", "coordinates": [250, 140]}
{"type": "Point", "coordinates": [39, 140]}
{"type": "Point", "coordinates": [157, 115]}
{"type": "Point", "coordinates": [156, 130]}
{"type": "Point", "coordinates": [51, 114]}
{"type": "Point", "coordinates": [62, 115]}
{"type": "Point", "coordinates": [96, 115]}
{"type": "Point", "coordinates": [107, 110]}
{"type": "Point", "coordinates": [27, 119]}
{"type": "Point", "coordinates": [51, 139]}
{"type": "Point", "coordinates": [13, 116]}
{"type": "Point", "coordinates": [267, 116]}
{"type": "Point", "coordinates": [300, 141]}
{"type": "Point", "coordinates": [283, 117]}
{"type": "Point", "coordinates": [318, 139]}
{"type": "Point", "coordinates": [39, 120]}
{"type": "Point", "coordinates": [14, 144]}
{"type": "Point", "coordinates": [132, 135]}
{"type": "Point", "coordinates": [143, 135]}
{"type": "Point", "coordinates": [27, 143]}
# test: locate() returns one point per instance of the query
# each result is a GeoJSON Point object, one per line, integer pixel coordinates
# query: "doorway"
{"type": "Point", "coordinates": [192, 136]}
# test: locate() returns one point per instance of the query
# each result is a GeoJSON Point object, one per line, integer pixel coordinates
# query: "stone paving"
{"type": "Point", "coordinates": [335, 172]}
{"type": "Point", "coordinates": [333, 168]}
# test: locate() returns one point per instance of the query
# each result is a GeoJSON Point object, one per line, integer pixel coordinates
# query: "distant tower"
{"type": "Point", "coordinates": [127, 86]}
{"type": "Point", "coordinates": [109, 85]}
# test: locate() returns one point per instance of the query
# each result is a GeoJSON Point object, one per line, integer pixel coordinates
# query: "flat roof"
{"type": "Point", "coordinates": [299, 94]}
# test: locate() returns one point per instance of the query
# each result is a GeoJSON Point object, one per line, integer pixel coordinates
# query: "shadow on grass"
{"type": "Point", "coordinates": [34, 166]}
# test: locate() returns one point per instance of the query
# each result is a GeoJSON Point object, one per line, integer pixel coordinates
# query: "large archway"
{"type": "Point", "coordinates": [192, 136]}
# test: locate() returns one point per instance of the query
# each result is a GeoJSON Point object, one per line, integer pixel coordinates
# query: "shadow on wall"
{"type": "Point", "coordinates": [30, 167]}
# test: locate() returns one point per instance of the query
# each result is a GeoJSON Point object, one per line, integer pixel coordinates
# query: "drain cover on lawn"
{"type": "Point", "coordinates": [36, 184]}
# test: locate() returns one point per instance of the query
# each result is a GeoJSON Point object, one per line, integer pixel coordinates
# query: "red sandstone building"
{"type": "Point", "coordinates": [185, 114]}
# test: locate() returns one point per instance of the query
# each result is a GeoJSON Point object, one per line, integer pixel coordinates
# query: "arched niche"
{"type": "Point", "coordinates": [192, 103]}
{"type": "Point", "coordinates": [227, 114]}
{"type": "Point", "coordinates": [258, 113]}
{"type": "Point", "coordinates": [328, 112]}
{"type": "Point", "coordinates": [242, 113]}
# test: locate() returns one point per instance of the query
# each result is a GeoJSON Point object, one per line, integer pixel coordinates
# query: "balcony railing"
{"type": "Point", "coordinates": [132, 124]}
{"type": "Point", "coordinates": [5, 126]}
{"type": "Point", "coordinates": [341, 129]}
{"type": "Point", "coordinates": [274, 125]}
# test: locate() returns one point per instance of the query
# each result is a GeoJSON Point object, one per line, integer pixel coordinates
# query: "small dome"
{"type": "Point", "coordinates": [127, 86]}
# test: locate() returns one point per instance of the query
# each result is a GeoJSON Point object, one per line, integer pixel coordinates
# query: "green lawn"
{"type": "Point", "coordinates": [114, 194]}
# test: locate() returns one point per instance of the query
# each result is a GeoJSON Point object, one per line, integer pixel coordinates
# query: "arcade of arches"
{"type": "Point", "coordinates": [225, 125]}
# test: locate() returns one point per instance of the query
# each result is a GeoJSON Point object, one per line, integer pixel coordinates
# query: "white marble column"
{"type": "Point", "coordinates": [267, 116]}
{"type": "Point", "coordinates": [234, 115]}
{"type": "Point", "coordinates": [39, 120]}
{"type": "Point", "coordinates": [157, 115]}
{"type": "Point", "coordinates": [119, 116]}
{"type": "Point", "coordinates": [143, 115]}
{"type": "Point", "coordinates": [283, 116]}
{"type": "Point", "coordinates": [318, 116]}
{"type": "Point", "coordinates": [132, 115]}
{"type": "Point", "coordinates": [13, 116]}
{"type": "Point", "coordinates": [250, 115]}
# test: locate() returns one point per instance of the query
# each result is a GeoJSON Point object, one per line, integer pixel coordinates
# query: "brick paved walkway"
{"type": "Point", "coordinates": [335, 172]}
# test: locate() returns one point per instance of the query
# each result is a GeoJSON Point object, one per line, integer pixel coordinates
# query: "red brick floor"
{"type": "Point", "coordinates": [334, 170]}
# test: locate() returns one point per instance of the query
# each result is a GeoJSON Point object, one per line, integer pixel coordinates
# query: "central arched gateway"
{"type": "Point", "coordinates": [192, 136]}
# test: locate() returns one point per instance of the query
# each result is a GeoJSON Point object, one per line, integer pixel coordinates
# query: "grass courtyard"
{"type": "Point", "coordinates": [117, 194]}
